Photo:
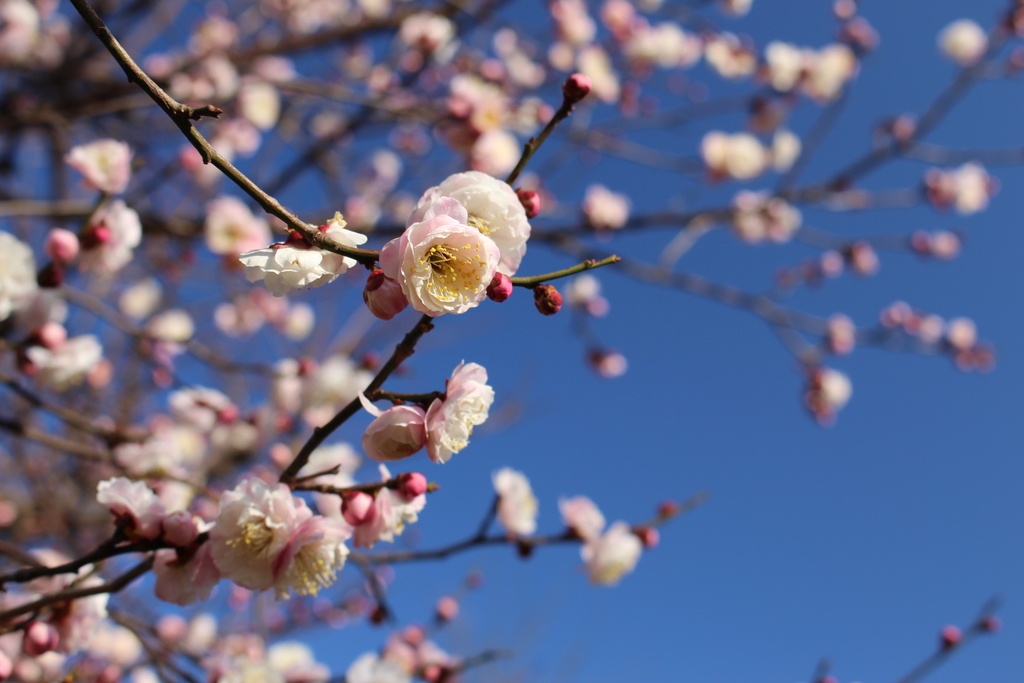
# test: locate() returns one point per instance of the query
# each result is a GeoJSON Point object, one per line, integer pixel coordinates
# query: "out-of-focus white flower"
{"type": "Point", "coordinates": [492, 208]}
{"type": "Point", "coordinates": [573, 22]}
{"type": "Point", "coordinates": [105, 164]}
{"type": "Point", "coordinates": [450, 422]}
{"type": "Point", "coordinates": [333, 384]}
{"type": "Point", "coordinates": [604, 209]}
{"type": "Point", "coordinates": [735, 8]}
{"type": "Point", "coordinates": [964, 42]}
{"type": "Point", "coordinates": [133, 504]}
{"type": "Point", "coordinates": [113, 233]}
{"type": "Point", "coordinates": [140, 299]}
{"type": "Point", "coordinates": [740, 156]}
{"type": "Point", "coordinates": [115, 644]}
{"type": "Point", "coordinates": [582, 516]}
{"type": "Point", "coordinates": [828, 391]}
{"type": "Point", "coordinates": [299, 321]}
{"type": "Point", "coordinates": [594, 63]}
{"type": "Point", "coordinates": [370, 668]}
{"type": "Point", "coordinates": [231, 228]}
{"type": "Point", "coordinates": [17, 275]}
{"type": "Point", "coordinates": [961, 333]}
{"type": "Point", "coordinates": [841, 334]}
{"type": "Point", "coordinates": [666, 45]}
{"type": "Point", "coordinates": [786, 64]}
{"type": "Point", "coordinates": [341, 456]}
{"type": "Point", "coordinates": [295, 662]}
{"type": "Point", "coordinates": [67, 365]}
{"type": "Point", "coordinates": [612, 555]}
{"type": "Point", "coordinates": [260, 103]}
{"type": "Point", "coordinates": [267, 538]}
{"type": "Point", "coordinates": [174, 325]}
{"type": "Point", "coordinates": [584, 292]}
{"type": "Point", "coordinates": [517, 506]}
{"type": "Point", "coordinates": [19, 31]}
{"type": "Point", "coordinates": [759, 218]}
{"type": "Point", "coordinates": [830, 70]}
{"type": "Point", "coordinates": [201, 407]}
{"type": "Point", "coordinates": [729, 57]}
{"type": "Point", "coordinates": [496, 152]}
{"type": "Point", "coordinates": [295, 264]}
{"type": "Point", "coordinates": [785, 150]}
{"type": "Point", "coordinates": [185, 576]}
{"type": "Point", "coordinates": [426, 31]}
{"type": "Point", "coordinates": [967, 188]}
{"type": "Point", "coordinates": [443, 264]}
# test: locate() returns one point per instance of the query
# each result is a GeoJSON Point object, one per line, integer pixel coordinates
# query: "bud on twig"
{"type": "Point", "coordinates": [575, 88]}
{"type": "Point", "coordinates": [530, 201]}
{"type": "Point", "coordinates": [500, 288]}
{"type": "Point", "coordinates": [547, 299]}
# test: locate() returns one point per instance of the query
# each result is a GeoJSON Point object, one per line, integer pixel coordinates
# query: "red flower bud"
{"type": "Point", "coordinates": [383, 296]}
{"type": "Point", "coordinates": [500, 288]}
{"type": "Point", "coordinates": [412, 484]}
{"type": "Point", "coordinates": [530, 201]}
{"type": "Point", "coordinates": [547, 299]}
{"type": "Point", "coordinates": [950, 637]}
{"type": "Point", "coordinates": [575, 88]}
{"type": "Point", "coordinates": [40, 638]}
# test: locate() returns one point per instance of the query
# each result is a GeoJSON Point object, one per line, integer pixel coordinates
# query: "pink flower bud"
{"type": "Point", "coordinates": [412, 484]}
{"type": "Point", "coordinates": [950, 637]}
{"type": "Point", "coordinates": [61, 245]}
{"type": "Point", "coordinates": [669, 508]}
{"type": "Point", "coordinates": [397, 433]}
{"type": "Point", "coordinates": [863, 259]}
{"type": "Point", "coordinates": [575, 88]}
{"type": "Point", "coordinates": [530, 201]}
{"type": "Point", "coordinates": [180, 528]}
{"type": "Point", "coordinates": [990, 624]}
{"type": "Point", "coordinates": [500, 288]}
{"type": "Point", "coordinates": [51, 335]}
{"type": "Point", "coordinates": [40, 638]}
{"type": "Point", "coordinates": [6, 668]}
{"type": "Point", "coordinates": [432, 673]}
{"type": "Point", "coordinates": [447, 608]}
{"type": "Point", "coordinates": [96, 236]}
{"type": "Point", "coordinates": [648, 535]}
{"type": "Point", "coordinates": [414, 635]}
{"type": "Point", "coordinates": [384, 296]}
{"type": "Point", "coordinates": [358, 508]}
{"type": "Point", "coordinates": [547, 299]}
{"type": "Point", "coordinates": [171, 628]}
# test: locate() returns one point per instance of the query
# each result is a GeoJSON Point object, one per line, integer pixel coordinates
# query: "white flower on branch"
{"type": "Point", "coordinates": [232, 229]}
{"type": "Point", "coordinates": [267, 538]}
{"type": "Point", "coordinates": [740, 156]}
{"type": "Point", "coordinates": [450, 422]}
{"type": "Point", "coordinates": [609, 557]}
{"type": "Point", "coordinates": [67, 365]}
{"type": "Point", "coordinates": [134, 505]}
{"type": "Point", "coordinates": [371, 668]}
{"type": "Point", "coordinates": [729, 57]}
{"type": "Point", "coordinates": [295, 264]}
{"type": "Point", "coordinates": [443, 264]}
{"type": "Point", "coordinates": [517, 506]}
{"type": "Point", "coordinates": [580, 514]}
{"type": "Point", "coordinates": [963, 42]}
{"type": "Point", "coordinates": [759, 217]}
{"type": "Point", "coordinates": [109, 242]}
{"type": "Point", "coordinates": [17, 275]}
{"type": "Point", "coordinates": [105, 164]}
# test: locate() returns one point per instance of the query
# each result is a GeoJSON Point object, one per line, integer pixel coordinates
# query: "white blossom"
{"type": "Point", "coordinates": [517, 506]}
{"type": "Point", "coordinates": [17, 275]}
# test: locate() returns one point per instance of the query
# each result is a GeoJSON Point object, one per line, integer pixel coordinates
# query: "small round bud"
{"type": "Point", "coordinates": [98, 235]}
{"type": "Point", "coordinates": [950, 637]}
{"type": "Point", "coordinates": [669, 508]}
{"type": "Point", "coordinates": [61, 245]}
{"type": "Point", "coordinates": [171, 628]}
{"type": "Point", "coordinates": [379, 615]}
{"type": "Point", "coordinates": [384, 296]}
{"type": "Point", "coordinates": [180, 528]}
{"type": "Point", "coordinates": [500, 288]}
{"type": "Point", "coordinates": [432, 673]}
{"type": "Point", "coordinates": [447, 608]}
{"type": "Point", "coordinates": [51, 335]}
{"type": "Point", "coordinates": [990, 624]}
{"type": "Point", "coordinates": [575, 88]}
{"type": "Point", "coordinates": [648, 535]}
{"type": "Point", "coordinates": [358, 508]}
{"type": "Point", "coordinates": [6, 668]}
{"type": "Point", "coordinates": [40, 638]}
{"type": "Point", "coordinates": [530, 201]}
{"type": "Point", "coordinates": [412, 484]}
{"type": "Point", "coordinates": [547, 299]}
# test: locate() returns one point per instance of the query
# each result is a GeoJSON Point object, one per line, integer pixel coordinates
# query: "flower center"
{"type": "Point", "coordinates": [481, 224]}
{"type": "Point", "coordinates": [309, 572]}
{"type": "Point", "coordinates": [256, 535]}
{"type": "Point", "coordinates": [453, 272]}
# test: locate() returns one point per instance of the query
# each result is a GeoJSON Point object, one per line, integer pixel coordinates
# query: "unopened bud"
{"type": "Point", "coordinates": [6, 668]}
{"type": "Point", "coordinates": [96, 236]}
{"type": "Point", "coordinates": [40, 638]}
{"type": "Point", "coordinates": [547, 299]}
{"type": "Point", "coordinates": [384, 296]}
{"type": "Point", "coordinates": [990, 624]}
{"type": "Point", "coordinates": [950, 637]}
{"type": "Point", "coordinates": [432, 673]}
{"type": "Point", "coordinates": [358, 508]}
{"type": "Point", "coordinates": [669, 508]}
{"type": "Point", "coordinates": [530, 201]}
{"type": "Point", "coordinates": [411, 485]}
{"type": "Point", "coordinates": [500, 288]}
{"type": "Point", "coordinates": [180, 528]}
{"type": "Point", "coordinates": [61, 245]}
{"type": "Point", "coordinates": [51, 335]}
{"type": "Point", "coordinates": [648, 535]}
{"type": "Point", "coordinates": [575, 88]}
{"type": "Point", "coordinates": [447, 608]}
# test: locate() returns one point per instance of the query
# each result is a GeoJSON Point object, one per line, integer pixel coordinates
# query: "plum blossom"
{"type": "Point", "coordinates": [232, 229]}
{"type": "Point", "coordinates": [967, 188]}
{"type": "Point", "coordinates": [612, 555]}
{"type": "Point", "coordinates": [604, 209]}
{"type": "Point", "coordinates": [67, 365]}
{"type": "Point", "coordinates": [963, 42]}
{"type": "Point", "coordinates": [109, 240]}
{"type": "Point", "coordinates": [382, 515]}
{"type": "Point", "coordinates": [584, 292]}
{"type": "Point", "coordinates": [495, 152]}
{"type": "Point", "coordinates": [735, 8]}
{"type": "Point", "coordinates": [106, 164]}
{"type": "Point", "coordinates": [759, 217]}
{"type": "Point", "coordinates": [295, 264]}
{"type": "Point", "coordinates": [267, 538]}
{"type": "Point", "coordinates": [295, 662]}
{"type": "Point", "coordinates": [383, 296]}
{"type": "Point", "coordinates": [260, 104]}
{"type": "Point", "coordinates": [334, 383]}
{"type": "Point", "coordinates": [665, 45]}
{"type": "Point", "coordinates": [785, 65]}
{"type": "Point", "coordinates": [740, 156]}
{"type": "Point", "coordinates": [17, 275]}
{"type": "Point", "coordinates": [396, 433]}
{"type": "Point", "coordinates": [174, 325]}
{"type": "Point", "coordinates": [371, 668]}
{"type": "Point", "coordinates": [492, 207]}
{"type": "Point", "coordinates": [185, 576]}
{"type": "Point", "coordinates": [134, 504]}
{"type": "Point", "coordinates": [517, 506]}
{"type": "Point", "coordinates": [582, 516]}
{"type": "Point", "coordinates": [594, 63]}
{"type": "Point", "coordinates": [785, 150]}
{"type": "Point", "coordinates": [19, 31]}
{"type": "Point", "coordinates": [443, 264]}
{"type": "Point", "coordinates": [829, 390]}
{"type": "Point", "coordinates": [140, 299]}
{"type": "Point", "coordinates": [427, 32]}
{"type": "Point", "coordinates": [729, 57]}
{"type": "Point", "coordinates": [341, 456]}
{"type": "Point", "coordinates": [829, 71]}
{"type": "Point", "coordinates": [201, 407]}
{"type": "Point", "coordinates": [450, 421]}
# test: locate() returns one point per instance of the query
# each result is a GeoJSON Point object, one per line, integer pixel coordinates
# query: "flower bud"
{"type": "Point", "coordinates": [669, 508]}
{"type": "Point", "coordinates": [575, 88]}
{"type": "Point", "coordinates": [180, 528]}
{"type": "Point", "coordinates": [96, 236]}
{"type": "Point", "coordinates": [950, 637]}
{"type": "Point", "coordinates": [432, 673]}
{"type": "Point", "coordinates": [397, 433]}
{"type": "Point", "coordinates": [500, 288]}
{"type": "Point", "coordinates": [40, 638]}
{"type": "Point", "coordinates": [547, 299]}
{"type": "Point", "coordinates": [447, 608]}
{"type": "Point", "coordinates": [61, 245]}
{"type": "Point", "coordinates": [990, 624]}
{"type": "Point", "coordinates": [6, 668]}
{"type": "Point", "coordinates": [530, 201]}
{"type": "Point", "coordinates": [648, 535]}
{"type": "Point", "coordinates": [358, 508]}
{"type": "Point", "coordinates": [412, 484]}
{"type": "Point", "coordinates": [384, 296]}
{"type": "Point", "coordinates": [51, 335]}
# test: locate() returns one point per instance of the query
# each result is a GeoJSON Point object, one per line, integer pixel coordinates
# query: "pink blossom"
{"type": "Point", "coordinates": [133, 504]}
{"type": "Point", "coordinates": [184, 576]}
{"type": "Point", "coordinates": [396, 433]}
{"type": "Point", "coordinates": [582, 516]}
{"type": "Point", "coordinates": [604, 209]}
{"type": "Point", "coordinates": [110, 239]}
{"type": "Point", "coordinates": [105, 164]}
{"type": "Point", "coordinates": [40, 638]}
{"type": "Point", "coordinates": [450, 421]}
{"type": "Point", "coordinates": [61, 245]}
{"type": "Point", "coordinates": [612, 555]}
{"type": "Point", "coordinates": [383, 296]}
{"type": "Point", "coordinates": [180, 528]}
